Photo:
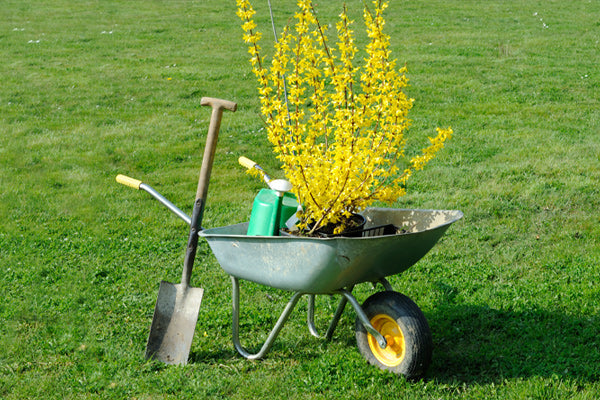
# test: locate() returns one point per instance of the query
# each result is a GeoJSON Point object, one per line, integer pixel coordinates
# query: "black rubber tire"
{"type": "Point", "coordinates": [413, 325]}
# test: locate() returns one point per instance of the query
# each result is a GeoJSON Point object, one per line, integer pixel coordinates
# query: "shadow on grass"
{"type": "Point", "coordinates": [472, 344]}
{"type": "Point", "coordinates": [212, 356]}
{"type": "Point", "coordinates": [485, 345]}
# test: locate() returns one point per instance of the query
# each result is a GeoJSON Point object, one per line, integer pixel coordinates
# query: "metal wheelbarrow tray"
{"type": "Point", "coordinates": [324, 265]}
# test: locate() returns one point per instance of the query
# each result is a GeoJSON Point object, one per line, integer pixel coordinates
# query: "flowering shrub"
{"type": "Point", "coordinates": [338, 128]}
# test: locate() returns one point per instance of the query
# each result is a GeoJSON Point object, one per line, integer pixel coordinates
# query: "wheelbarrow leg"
{"type": "Point", "coordinates": [336, 318]}
{"type": "Point", "coordinates": [334, 321]}
{"type": "Point", "coordinates": [272, 336]}
{"type": "Point", "coordinates": [310, 316]}
{"type": "Point", "coordinates": [346, 297]}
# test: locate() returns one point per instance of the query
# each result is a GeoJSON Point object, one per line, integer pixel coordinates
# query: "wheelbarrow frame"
{"type": "Point", "coordinates": [347, 297]}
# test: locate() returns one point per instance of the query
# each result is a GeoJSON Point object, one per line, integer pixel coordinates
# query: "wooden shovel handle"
{"type": "Point", "coordinates": [218, 106]}
{"type": "Point", "coordinates": [207, 161]}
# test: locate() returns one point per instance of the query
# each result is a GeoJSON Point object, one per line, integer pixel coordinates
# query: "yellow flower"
{"type": "Point", "coordinates": [340, 129]}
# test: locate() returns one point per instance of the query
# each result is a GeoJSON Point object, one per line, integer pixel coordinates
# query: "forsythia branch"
{"type": "Point", "coordinates": [342, 144]}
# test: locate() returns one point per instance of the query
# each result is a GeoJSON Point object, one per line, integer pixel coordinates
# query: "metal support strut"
{"type": "Point", "coordinates": [334, 321]}
{"type": "Point", "coordinates": [363, 318]}
{"type": "Point", "coordinates": [276, 329]}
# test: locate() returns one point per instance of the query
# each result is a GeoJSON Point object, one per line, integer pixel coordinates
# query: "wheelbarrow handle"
{"type": "Point", "coordinates": [249, 164]}
{"type": "Point", "coordinates": [139, 185]}
{"type": "Point", "coordinates": [128, 181]}
{"type": "Point", "coordinates": [246, 162]}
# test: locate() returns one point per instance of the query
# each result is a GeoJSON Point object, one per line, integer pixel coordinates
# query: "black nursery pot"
{"type": "Point", "coordinates": [356, 225]}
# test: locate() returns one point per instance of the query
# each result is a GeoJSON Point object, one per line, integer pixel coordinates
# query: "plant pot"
{"type": "Point", "coordinates": [355, 228]}
{"type": "Point", "coordinates": [355, 225]}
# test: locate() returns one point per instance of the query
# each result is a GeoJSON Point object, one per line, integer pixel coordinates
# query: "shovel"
{"type": "Point", "coordinates": [177, 305]}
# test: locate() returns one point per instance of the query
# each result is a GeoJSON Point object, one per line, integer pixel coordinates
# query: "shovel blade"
{"type": "Point", "coordinates": [174, 323]}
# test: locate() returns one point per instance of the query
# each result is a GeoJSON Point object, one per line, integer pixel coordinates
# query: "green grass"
{"type": "Point", "coordinates": [94, 88]}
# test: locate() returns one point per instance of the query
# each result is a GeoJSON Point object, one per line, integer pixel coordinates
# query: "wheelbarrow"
{"type": "Point", "coordinates": [391, 331]}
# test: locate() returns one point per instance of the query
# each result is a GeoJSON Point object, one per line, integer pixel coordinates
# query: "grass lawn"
{"type": "Point", "coordinates": [90, 89]}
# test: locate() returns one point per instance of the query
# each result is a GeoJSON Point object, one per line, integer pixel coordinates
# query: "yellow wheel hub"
{"type": "Point", "coordinates": [393, 354]}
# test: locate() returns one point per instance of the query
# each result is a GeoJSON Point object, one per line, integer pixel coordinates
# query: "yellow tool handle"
{"type": "Point", "coordinates": [127, 181]}
{"type": "Point", "coordinates": [246, 162]}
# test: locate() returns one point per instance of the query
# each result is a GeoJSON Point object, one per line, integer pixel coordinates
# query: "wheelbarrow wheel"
{"type": "Point", "coordinates": [405, 328]}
